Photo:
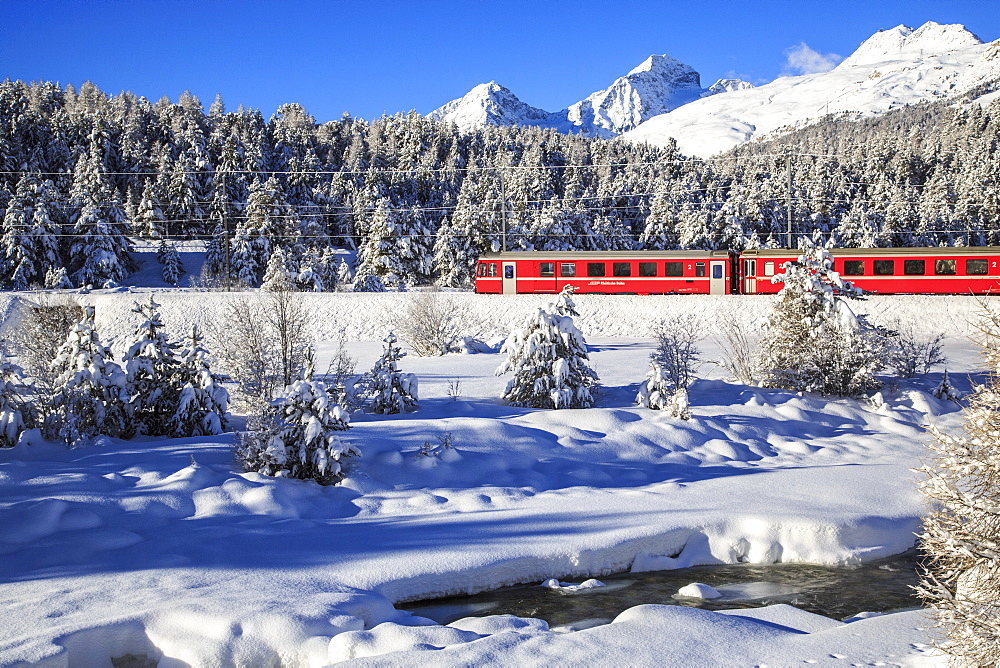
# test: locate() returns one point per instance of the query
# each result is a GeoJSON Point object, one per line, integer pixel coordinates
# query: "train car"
{"type": "Point", "coordinates": [886, 270]}
{"type": "Point", "coordinates": [609, 272]}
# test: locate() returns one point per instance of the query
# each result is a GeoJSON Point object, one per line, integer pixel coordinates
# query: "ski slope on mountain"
{"type": "Point", "coordinates": [893, 68]}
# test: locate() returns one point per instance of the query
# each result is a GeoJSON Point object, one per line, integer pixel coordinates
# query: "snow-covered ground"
{"type": "Point", "coordinates": [166, 550]}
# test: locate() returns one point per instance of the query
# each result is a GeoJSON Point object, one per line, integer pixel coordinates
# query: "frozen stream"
{"type": "Point", "coordinates": [837, 592]}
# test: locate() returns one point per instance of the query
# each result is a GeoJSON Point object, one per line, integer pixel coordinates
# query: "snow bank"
{"type": "Point", "coordinates": [368, 316]}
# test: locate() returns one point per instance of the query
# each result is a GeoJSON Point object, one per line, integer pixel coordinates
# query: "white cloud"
{"type": "Point", "coordinates": [802, 59]}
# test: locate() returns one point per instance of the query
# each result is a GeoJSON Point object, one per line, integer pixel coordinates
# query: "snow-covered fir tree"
{"type": "Point", "coordinates": [385, 389]}
{"type": "Point", "coordinates": [814, 341]}
{"type": "Point", "coordinates": [203, 403]}
{"type": "Point", "coordinates": [655, 392]}
{"type": "Point", "coordinates": [150, 365]}
{"type": "Point", "coordinates": [961, 534]}
{"type": "Point", "coordinates": [276, 274]}
{"type": "Point", "coordinates": [89, 395]}
{"type": "Point", "coordinates": [173, 269]}
{"type": "Point", "coordinates": [297, 437]}
{"type": "Point", "coordinates": [548, 357]}
{"type": "Point", "coordinates": [367, 281]}
{"type": "Point", "coordinates": [16, 414]}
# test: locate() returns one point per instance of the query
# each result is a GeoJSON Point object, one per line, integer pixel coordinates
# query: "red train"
{"type": "Point", "coordinates": [722, 272]}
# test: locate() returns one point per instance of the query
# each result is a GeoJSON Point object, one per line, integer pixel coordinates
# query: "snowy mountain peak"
{"type": "Point", "coordinates": [659, 64]}
{"type": "Point", "coordinates": [660, 83]}
{"type": "Point", "coordinates": [490, 104]}
{"type": "Point", "coordinates": [727, 86]}
{"type": "Point", "coordinates": [902, 42]}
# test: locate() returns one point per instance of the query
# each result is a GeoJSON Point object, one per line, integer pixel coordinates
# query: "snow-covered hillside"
{"type": "Point", "coordinates": [892, 68]}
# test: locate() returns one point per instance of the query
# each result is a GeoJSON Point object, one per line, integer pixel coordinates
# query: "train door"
{"type": "Point", "coordinates": [717, 277]}
{"type": "Point", "coordinates": [749, 276]}
{"type": "Point", "coordinates": [509, 278]}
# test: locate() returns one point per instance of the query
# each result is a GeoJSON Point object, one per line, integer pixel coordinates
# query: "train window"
{"type": "Point", "coordinates": [944, 267]}
{"type": "Point", "coordinates": [769, 268]}
{"type": "Point", "coordinates": [884, 267]}
{"type": "Point", "coordinates": [508, 271]}
{"type": "Point", "coordinates": [567, 269]}
{"type": "Point", "coordinates": [976, 267]}
{"type": "Point", "coordinates": [855, 267]}
{"type": "Point", "coordinates": [673, 269]}
{"type": "Point", "coordinates": [699, 269]}
{"type": "Point", "coordinates": [492, 270]}
{"type": "Point", "coordinates": [647, 269]}
{"type": "Point", "coordinates": [546, 268]}
{"type": "Point", "coordinates": [913, 268]}
{"type": "Point", "coordinates": [716, 271]}
{"type": "Point", "coordinates": [596, 269]}
{"type": "Point", "coordinates": [482, 269]}
{"type": "Point", "coordinates": [621, 268]}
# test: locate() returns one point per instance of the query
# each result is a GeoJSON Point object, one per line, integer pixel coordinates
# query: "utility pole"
{"type": "Point", "coordinates": [788, 206]}
{"type": "Point", "coordinates": [225, 228]}
{"type": "Point", "coordinates": [503, 212]}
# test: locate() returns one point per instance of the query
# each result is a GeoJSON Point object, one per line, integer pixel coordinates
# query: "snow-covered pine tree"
{"type": "Point", "coordinates": [16, 415]}
{"type": "Point", "coordinates": [548, 357]}
{"type": "Point", "coordinates": [385, 388]}
{"type": "Point", "coordinates": [366, 281]}
{"type": "Point", "coordinates": [656, 390]}
{"type": "Point", "coordinates": [814, 341]}
{"type": "Point", "coordinates": [276, 274]}
{"type": "Point", "coordinates": [89, 395]}
{"type": "Point", "coordinates": [173, 269]}
{"type": "Point", "coordinates": [150, 365]}
{"type": "Point", "coordinates": [203, 403]}
{"type": "Point", "coordinates": [344, 274]}
{"type": "Point", "coordinates": [961, 535]}
{"type": "Point", "coordinates": [296, 436]}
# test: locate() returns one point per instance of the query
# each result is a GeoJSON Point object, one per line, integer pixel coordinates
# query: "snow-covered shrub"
{"type": "Point", "coordinates": [813, 341]}
{"type": "Point", "coordinates": [945, 390]}
{"type": "Point", "coordinates": [739, 348]}
{"type": "Point", "coordinates": [445, 442]}
{"type": "Point", "coordinates": [910, 353]}
{"type": "Point", "coordinates": [89, 396]}
{"type": "Point", "coordinates": [385, 389]}
{"type": "Point", "coordinates": [677, 351]}
{"type": "Point", "coordinates": [261, 342]}
{"type": "Point", "coordinates": [548, 357]}
{"type": "Point", "coordinates": [203, 403]}
{"type": "Point", "coordinates": [339, 373]}
{"type": "Point", "coordinates": [960, 581]}
{"type": "Point", "coordinates": [16, 415]}
{"type": "Point", "coordinates": [679, 407]}
{"type": "Point", "coordinates": [433, 324]}
{"type": "Point", "coordinates": [296, 435]}
{"type": "Point", "coordinates": [150, 364]}
{"type": "Point", "coordinates": [42, 327]}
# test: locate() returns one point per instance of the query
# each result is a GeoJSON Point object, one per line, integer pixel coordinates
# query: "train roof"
{"type": "Point", "coordinates": [602, 255]}
{"type": "Point", "coordinates": [753, 252]}
{"type": "Point", "coordinates": [880, 252]}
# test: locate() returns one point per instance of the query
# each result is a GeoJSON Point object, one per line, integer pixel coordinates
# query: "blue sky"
{"type": "Point", "coordinates": [384, 56]}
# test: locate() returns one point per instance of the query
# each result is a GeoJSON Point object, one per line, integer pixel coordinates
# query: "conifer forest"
{"type": "Point", "coordinates": [83, 174]}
